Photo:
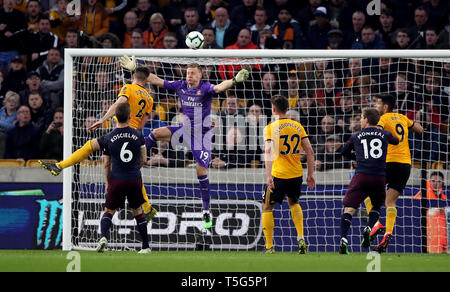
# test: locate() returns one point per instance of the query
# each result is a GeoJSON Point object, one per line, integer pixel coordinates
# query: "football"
{"type": "Point", "coordinates": [195, 40]}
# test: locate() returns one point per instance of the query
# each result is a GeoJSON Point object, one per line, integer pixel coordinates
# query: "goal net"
{"type": "Point", "coordinates": [327, 91]}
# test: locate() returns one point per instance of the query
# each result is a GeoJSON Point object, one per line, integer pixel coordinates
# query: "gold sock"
{"type": "Point", "coordinates": [146, 206]}
{"type": "Point", "coordinates": [368, 204]}
{"type": "Point", "coordinates": [391, 215]}
{"type": "Point", "coordinates": [268, 226]}
{"type": "Point", "coordinates": [78, 156]}
{"type": "Point", "coordinates": [297, 217]}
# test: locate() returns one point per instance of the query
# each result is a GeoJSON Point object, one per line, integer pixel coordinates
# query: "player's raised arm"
{"type": "Point", "coordinates": [306, 145]}
{"type": "Point", "coordinates": [240, 77]}
{"type": "Point", "coordinates": [109, 114]}
{"type": "Point", "coordinates": [130, 64]}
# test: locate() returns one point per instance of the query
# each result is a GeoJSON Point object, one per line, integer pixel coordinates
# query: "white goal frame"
{"type": "Point", "coordinates": [69, 54]}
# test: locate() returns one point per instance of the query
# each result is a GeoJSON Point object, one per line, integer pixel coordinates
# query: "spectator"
{"type": "Point", "coordinates": [145, 9]}
{"type": "Point", "coordinates": [444, 36]}
{"type": "Point", "coordinates": [71, 38]}
{"type": "Point", "coordinates": [21, 140]}
{"type": "Point", "coordinates": [115, 12]}
{"type": "Point", "coordinates": [292, 90]}
{"type": "Point", "coordinates": [262, 97]}
{"type": "Point", "coordinates": [353, 34]}
{"type": "Point", "coordinates": [386, 28]}
{"type": "Point", "coordinates": [310, 117]}
{"type": "Point", "coordinates": [434, 187]}
{"type": "Point", "coordinates": [192, 23]}
{"type": "Point", "coordinates": [354, 125]}
{"type": "Point", "coordinates": [226, 31]}
{"type": "Point", "coordinates": [154, 35]}
{"type": "Point", "coordinates": [327, 127]}
{"type": "Point", "coordinates": [288, 30]}
{"type": "Point", "coordinates": [51, 73]}
{"type": "Point", "coordinates": [363, 91]}
{"type": "Point", "coordinates": [40, 43]}
{"type": "Point", "coordinates": [33, 12]}
{"type": "Point", "coordinates": [263, 36]}
{"type": "Point", "coordinates": [417, 30]}
{"type": "Point", "coordinates": [260, 24]}
{"type": "Point", "coordinates": [60, 21]}
{"type": "Point", "coordinates": [243, 43]}
{"type": "Point", "coordinates": [318, 32]}
{"type": "Point", "coordinates": [369, 40]}
{"type": "Point", "coordinates": [431, 40]}
{"type": "Point", "coordinates": [255, 128]}
{"type": "Point", "coordinates": [328, 96]}
{"type": "Point", "coordinates": [402, 39]}
{"type": "Point", "coordinates": [2, 88]}
{"type": "Point", "coordinates": [13, 23]}
{"type": "Point", "coordinates": [130, 21]}
{"type": "Point", "coordinates": [41, 116]}
{"type": "Point", "coordinates": [332, 157]}
{"type": "Point", "coordinates": [384, 74]}
{"type": "Point", "coordinates": [109, 41]}
{"type": "Point", "coordinates": [242, 15]}
{"type": "Point", "coordinates": [165, 155]}
{"type": "Point", "coordinates": [335, 39]}
{"type": "Point", "coordinates": [94, 19]}
{"type": "Point", "coordinates": [231, 111]}
{"type": "Point", "coordinates": [173, 11]}
{"type": "Point", "coordinates": [51, 144]}
{"type": "Point", "coordinates": [137, 39]}
{"type": "Point", "coordinates": [344, 110]}
{"type": "Point", "coordinates": [306, 15]}
{"type": "Point", "coordinates": [20, 5]}
{"type": "Point", "coordinates": [33, 83]}
{"type": "Point", "coordinates": [207, 15]}
{"type": "Point", "coordinates": [340, 12]}
{"type": "Point", "coordinates": [210, 38]}
{"type": "Point", "coordinates": [440, 99]}
{"type": "Point", "coordinates": [314, 76]}
{"type": "Point", "coordinates": [8, 117]}
{"type": "Point", "coordinates": [234, 153]}
{"type": "Point", "coordinates": [438, 11]}
{"type": "Point", "coordinates": [353, 72]}
{"type": "Point", "coordinates": [16, 76]}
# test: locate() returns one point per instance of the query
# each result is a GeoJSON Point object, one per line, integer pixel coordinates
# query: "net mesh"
{"type": "Point", "coordinates": [325, 95]}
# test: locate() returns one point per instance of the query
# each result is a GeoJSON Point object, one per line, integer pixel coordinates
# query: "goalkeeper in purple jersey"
{"type": "Point", "coordinates": [195, 96]}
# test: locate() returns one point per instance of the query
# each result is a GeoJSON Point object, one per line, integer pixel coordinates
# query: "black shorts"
{"type": "Point", "coordinates": [362, 186]}
{"type": "Point", "coordinates": [291, 187]}
{"type": "Point", "coordinates": [397, 175]}
{"type": "Point", "coordinates": [119, 190]}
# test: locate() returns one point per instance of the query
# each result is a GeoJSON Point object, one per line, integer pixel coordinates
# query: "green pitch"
{"type": "Point", "coordinates": [215, 261]}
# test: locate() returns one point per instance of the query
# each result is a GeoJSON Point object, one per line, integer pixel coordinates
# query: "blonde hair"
{"type": "Point", "coordinates": [11, 95]}
{"type": "Point", "coordinates": [157, 15]}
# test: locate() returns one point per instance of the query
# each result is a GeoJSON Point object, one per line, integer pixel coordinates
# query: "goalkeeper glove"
{"type": "Point", "coordinates": [241, 76]}
{"type": "Point", "coordinates": [128, 63]}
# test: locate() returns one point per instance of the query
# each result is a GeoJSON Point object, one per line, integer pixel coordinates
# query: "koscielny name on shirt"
{"type": "Point", "coordinates": [124, 135]}
{"type": "Point", "coordinates": [362, 134]}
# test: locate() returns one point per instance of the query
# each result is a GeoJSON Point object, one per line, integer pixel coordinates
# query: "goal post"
{"type": "Point", "coordinates": [93, 77]}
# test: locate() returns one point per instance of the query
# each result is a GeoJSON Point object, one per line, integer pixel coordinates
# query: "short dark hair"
{"type": "Point", "coordinates": [389, 100]}
{"type": "Point", "coordinates": [280, 102]}
{"type": "Point", "coordinates": [142, 73]}
{"type": "Point", "coordinates": [372, 115]}
{"type": "Point", "coordinates": [438, 173]}
{"type": "Point", "coordinates": [123, 112]}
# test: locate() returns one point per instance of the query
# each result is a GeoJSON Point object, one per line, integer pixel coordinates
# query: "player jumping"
{"type": "Point", "coordinates": [370, 148]}
{"type": "Point", "coordinates": [195, 96]}
{"type": "Point", "coordinates": [141, 104]}
{"type": "Point", "coordinates": [284, 139]}
{"type": "Point", "coordinates": [398, 165]}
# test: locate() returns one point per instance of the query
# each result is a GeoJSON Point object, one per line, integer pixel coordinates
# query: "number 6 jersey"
{"type": "Point", "coordinates": [370, 147]}
{"type": "Point", "coordinates": [398, 125]}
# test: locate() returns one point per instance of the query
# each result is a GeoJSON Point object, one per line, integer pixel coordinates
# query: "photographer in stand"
{"type": "Point", "coordinates": [51, 144]}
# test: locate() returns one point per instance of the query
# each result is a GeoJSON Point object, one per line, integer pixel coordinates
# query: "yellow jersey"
{"type": "Point", "coordinates": [399, 126]}
{"type": "Point", "coordinates": [141, 103]}
{"type": "Point", "coordinates": [286, 136]}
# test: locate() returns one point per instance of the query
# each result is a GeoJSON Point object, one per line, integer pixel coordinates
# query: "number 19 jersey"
{"type": "Point", "coordinates": [286, 136]}
{"type": "Point", "coordinates": [398, 125]}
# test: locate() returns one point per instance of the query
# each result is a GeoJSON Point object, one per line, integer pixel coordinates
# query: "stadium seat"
{"type": "Point", "coordinates": [35, 163]}
{"type": "Point", "coordinates": [438, 165]}
{"type": "Point", "coordinates": [19, 162]}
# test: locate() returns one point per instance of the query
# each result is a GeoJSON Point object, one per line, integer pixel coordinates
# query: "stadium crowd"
{"type": "Point", "coordinates": [325, 96]}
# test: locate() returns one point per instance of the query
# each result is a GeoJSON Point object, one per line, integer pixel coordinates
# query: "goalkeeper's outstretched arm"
{"type": "Point", "coordinates": [130, 65]}
{"type": "Point", "coordinates": [240, 77]}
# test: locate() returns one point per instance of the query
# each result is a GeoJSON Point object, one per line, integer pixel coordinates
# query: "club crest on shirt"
{"type": "Point", "coordinates": [199, 92]}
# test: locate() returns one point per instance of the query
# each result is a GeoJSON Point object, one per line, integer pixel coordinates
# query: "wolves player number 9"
{"type": "Point", "coordinates": [125, 154]}
{"type": "Point", "coordinates": [375, 148]}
